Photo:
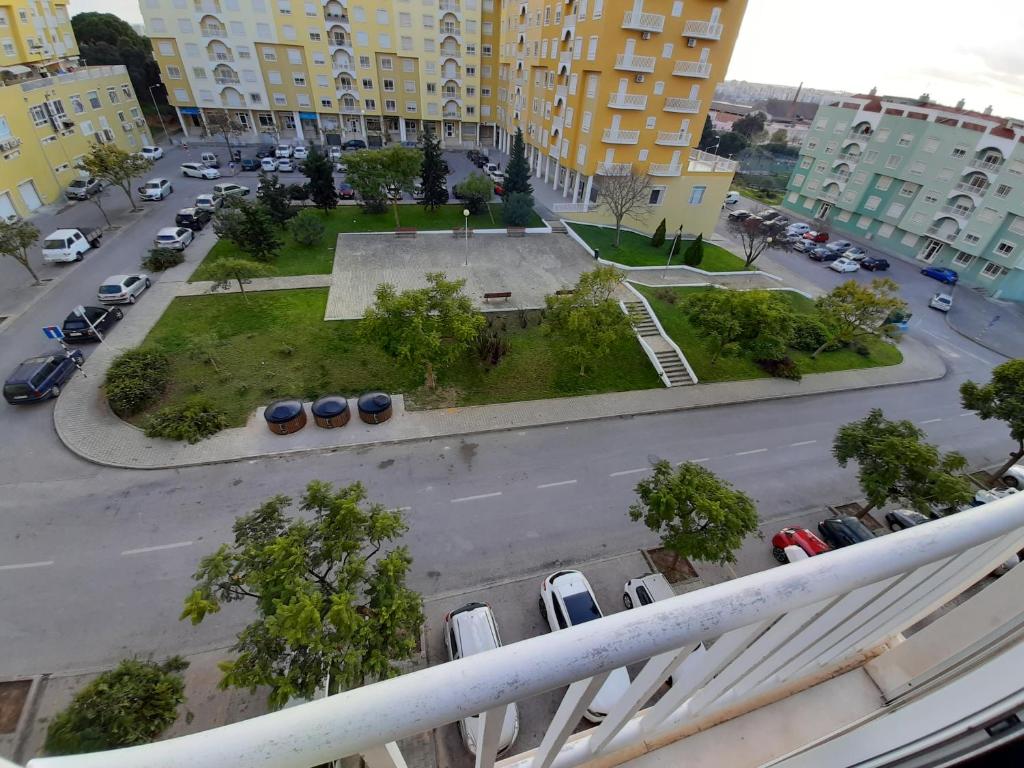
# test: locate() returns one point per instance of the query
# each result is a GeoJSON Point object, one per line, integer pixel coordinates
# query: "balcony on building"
{"type": "Point", "coordinates": [684, 106]}
{"type": "Point", "coordinates": [450, 47]}
{"type": "Point", "coordinates": [337, 37]}
{"type": "Point", "coordinates": [206, 6]}
{"type": "Point", "coordinates": [989, 161]}
{"type": "Point", "coordinates": [33, 79]}
{"type": "Point", "coordinates": [674, 138]}
{"type": "Point", "coordinates": [564, 60]}
{"type": "Point", "coordinates": [665, 169]}
{"type": "Point", "coordinates": [335, 12]}
{"type": "Point", "coordinates": [230, 97]}
{"type": "Point", "coordinates": [569, 22]}
{"type": "Point", "coordinates": [225, 75]}
{"type": "Point", "coordinates": [217, 51]}
{"type": "Point", "coordinates": [946, 229]}
{"type": "Point", "coordinates": [343, 63]}
{"type": "Point", "coordinates": [703, 30]}
{"type": "Point", "coordinates": [643, 22]}
{"type": "Point", "coordinates": [614, 169]}
{"type": "Point", "coordinates": [350, 107]}
{"type": "Point", "coordinates": [450, 25]}
{"type": "Point", "coordinates": [623, 100]}
{"type": "Point", "coordinates": [961, 211]}
{"type": "Point", "coordinates": [847, 157]}
{"type": "Point", "coordinates": [705, 162]}
{"type": "Point", "coordinates": [975, 185]}
{"type": "Point", "coordinates": [635, 63]}
{"type": "Point", "coordinates": [561, 94]}
{"type": "Point", "coordinates": [615, 136]}
{"type": "Point", "coordinates": [210, 26]}
{"type": "Point", "coordinates": [692, 69]}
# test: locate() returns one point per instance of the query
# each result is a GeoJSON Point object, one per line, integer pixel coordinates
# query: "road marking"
{"type": "Point", "coordinates": [803, 442]}
{"type": "Point", "coordinates": [954, 346]}
{"type": "Point", "coordinates": [747, 453]}
{"type": "Point", "coordinates": [157, 548]}
{"type": "Point", "coordinates": [556, 485]}
{"type": "Point", "coordinates": [929, 421]}
{"type": "Point", "coordinates": [478, 496]}
{"type": "Point", "coordinates": [402, 509]}
{"type": "Point", "coordinates": [629, 472]}
{"type": "Point", "coordinates": [967, 413]}
{"type": "Point", "coordinates": [19, 566]}
{"type": "Point", "coordinates": [693, 461]}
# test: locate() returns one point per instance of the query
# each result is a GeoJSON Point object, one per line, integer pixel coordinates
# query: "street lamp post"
{"type": "Point", "coordinates": [714, 150]}
{"type": "Point", "coordinates": [678, 239]}
{"type": "Point", "coordinates": [159, 114]}
{"type": "Point", "coordinates": [465, 213]}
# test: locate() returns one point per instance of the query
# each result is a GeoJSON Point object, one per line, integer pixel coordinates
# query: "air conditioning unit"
{"type": "Point", "coordinates": [691, 42]}
{"type": "Point", "coordinates": [127, 127]}
{"type": "Point", "coordinates": [140, 121]}
{"type": "Point", "coordinates": [645, 35]}
{"type": "Point", "coordinates": [639, 78]}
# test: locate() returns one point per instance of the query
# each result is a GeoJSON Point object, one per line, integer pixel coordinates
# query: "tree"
{"type": "Point", "coordinates": [319, 169]}
{"type": "Point", "coordinates": [307, 228]}
{"type": "Point", "coordinates": [896, 465]}
{"type": "Point", "coordinates": [694, 252]}
{"type": "Point", "coordinates": [658, 238]}
{"type": "Point", "coordinates": [755, 238]}
{"type": "Point", "coordinates": [433, 179]}
{"type": "Point", "coordinates": [696, 514]}
{"type": "Point", "coordinates": [756, 322]}
{"type": "Point", "coordinates": [104, 38]}
{"type": "Point", "coordinates": [328, 587]}
{"type": "Point", "coordinates": [750, 125]}
{"type": "Point", "coordinates": [517, 173]}
{"type": "Point", "coordinates": [852, 311]}
{"type": "Point", "coordinates": [731, 143]}
{"type": "Point", "coordinates": [373, 172]}
{"type": "Point", "coordinates": [589, 321]}
{"type": "Point", "coordinates": [16, 237]}
{"type": "Point", "coordinates": [223, 123]}
{"type": "Point", "coordinates": [779, 137]}
{"type": "Point", "coordinates": [624, 195]}
{"type": "Point", "coordinates": [476, 190]}
{"type": "Point", "coordinates": [364, 171]}
{"type": "Point", "coordinates": [429, 328]}
{"type": "Point", "coordinates": [1003, 399]}
{"type": "Point", "coordinates": [250, 227]}
{"type": "Point", "coordinates": [97, 200]}
{"type": "Point", "coordinates": [113, 165]}
{"type": "Point", "coordinates": [517, 209]}
{"type": "Point", "coordinates": [708, 136]}
{"type": "Point", "coordinates": [131, 704]}
{"type": "Point", "coordinates": [273, 195]}
{"type": "Point", "coordinates": [222, 271]}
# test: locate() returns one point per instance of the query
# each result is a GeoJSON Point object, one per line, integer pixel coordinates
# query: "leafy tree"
{"type": "Point", "coordinates": [433, 176]}
{"type": "Point", "coordinates": [694, 252]}
{"type": "Point", "coordinates": [329, 589]}
{"type": "Point", "coordinates": [517, 209]}
{"type": "Point", "coordinates": [756, 322]}
{"type": "Point", "coordinates": [755, 238]}
{"type": "Point", "coordinates": [658, 238]}
{"type": "Point", "coordinates": [853, 311]}
{"type": "Point", "coordinates": [589, 322]}
{"type": "Point", "coordinates": [624, 195]}
{"type": "Point", "coordinates": [160, 259]}
{"type": "Point", "coordinates": [135, 379]}
{"type": "Point", "coordinates": [365, 172]}
{"type": "Point", "coordinates": [697, 514]}
{"type": "Point", "coordinates": [97, 200]}
{"type": "Point", "coordinates": [517, 173]}
{"type": "Point", "coordinates": [750, 125]}
{"type": "Point", "coordinates": [250, 227]}
{"type": "Point", "coordinates": [113, 165]}
{"type": "Point", "coordinates": [477, 191]}
{"type": "Point", "coordinates": [273, 195]}
{"type": "Point", "coordinates": [104, 38]}
{"type": "Point", "coordinates": [708, 136]}
{"type": "Point", "coordinates": [779, 137]}
{"type": "Point", "coordinates": [319, 169]}
{"type": "Point", "coordinates": [16, 237]}
{"type": "Point", "coordinates": [224, 270]}
{"type": "Point", "coordinates": [429, 328]}
{"type": "Point", "coordinates": [896, 465]}
{"type": "Point", "coordinates": [731, 143]}
{"type": "Point", "coordinates": [131, 704]}
{"type": "Point", "coordinates": [222, 123]}
{"type": "Point", "coordinates": [307, 228]}
{"type": "Point", "coordinates": [1003, 399]}
{"type": "Point", "coordinates": [372, 172]}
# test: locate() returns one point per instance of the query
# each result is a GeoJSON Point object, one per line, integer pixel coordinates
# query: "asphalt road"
{"type": "Point", "coordinates": [94, 562]}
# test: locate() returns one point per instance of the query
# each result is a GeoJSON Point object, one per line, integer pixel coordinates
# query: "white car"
{"type": "Point", "coordinates": [155, 189]}
{"type": "Point", "coordinates": [468, 630]}
{"type": "Point", "coordinates": [843, 264]}
{"type": "Point", "coordinates": [798, 229]}
{"type": "Point", "coordinates": [942, 302]}
{"type": "Point", "coordinates": [804, 245]}
{"type": "Point", "coordinates": [566, 600]}
{"type": "Point", "coordinates": [174, 238]}
{"type": "Point", "coordinates": [118, 289]}
{"type": "Point", "coordinates": [732, 198]}
{"type": "Point", "coordinates": [230, 190]}
{"type": "Point", "coordinates": [199, 171]}
{"type": "Point", "coordinates": [300, 153]}
{"type": "Point", "coordinates": [645, 590]}
{"type": "Point", "coordinates": [1013, 477]}
{"type": "Point", "coordinates": [334, 153]}
{"type": "Point", "coordinates": [856, 253]}
{"type": "Point", "coordinates": [209, 202]}
{"type": "Point", "coordinates": [284, 150]}
{"type": "Point", "coordinates": [151, 153]}
{"type": "Point", "coordinates": [268, 164]}
{"type": "Point", "coordinates": [285, 165]}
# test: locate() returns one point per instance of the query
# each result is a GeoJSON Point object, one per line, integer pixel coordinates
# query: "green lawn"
{"type": "Point", "coordinates": [768, 197]}
{"type": "Point", "coordinates": [742, 367]}
{"type": "Point", "coordinates": [635, 250]}
{"type": "Point", "coordinates": [242, 355]}
{"type": "Point", "coordinates": [295, 259]}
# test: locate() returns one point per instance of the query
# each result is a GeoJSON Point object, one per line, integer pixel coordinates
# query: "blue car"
{"type": "Point", "coordinates": [40, 378]}
{"type": "Point", "coordinates": [943, 275]}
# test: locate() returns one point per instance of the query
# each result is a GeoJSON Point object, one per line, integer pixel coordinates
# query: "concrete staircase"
{"type": "Point", "coordinates": [668, 358]}
{"type": "Point", "coordinates": [557, 227]}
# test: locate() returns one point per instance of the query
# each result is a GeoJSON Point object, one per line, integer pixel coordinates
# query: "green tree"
{"type": "Point", "coordinates": [104, 38]}
{"type": "Point", "coordinates": [896, 465]}
{"type": "Point", "coordinates": [16, 237]}
{"type": "Point", "coordinates": [517, 173]}
{"type": "Point", "coordinates": [430, 328]}
{"type": "Point", "coordinates": [220, 122]}
{"type": "Point", "coordinates": [319, 169]}
{"type": "Point", "coordinates": [433, 179]}
{"type": "Point", "coordinates": [1003, 399]}
{"type": "Point", "coordinates": [373, 172]}
{"type": "Point", "coordinates": [853, 311]}
{"type": "Point", "coordinates": [694, 252]}
{"type": "Point", "coordinates": [250, 227]}
{"type": "Point", "coordinates": [307, 228]}
{"type": "Point", "coordinates": [328, 587]}
{"type": "Point", "coordinates": [273, 195]}
{"type": "Point", "coordinates": [731, 143]}
{"type": "Point", "coordinates": [697, 514]}
{"type": "Point", "coordinates": [365, 172]}
{"type": "Point", "coordinates": [624, 195]}
{"type": "Point", "coordinates": [750, 125]}
{"type": "Point", "coordinates": [477, 191]}
{"type": "Point", "coordinates": [658, 238]}
{"type": "Point", "coordinates": [115, 166]}
{"type": "Point", "coordinates": [589, 321]}
{"type": "Point", "coordinates": [222, 271]}
{"type": "Point", "coordinates": [131, 704]}
{"type": "Point", "coordinates": [517, 209]}
{"type": "Point", "coordinates": [779, 137]}
{"type": "Point", "coordinates": [759, 323]}
{"type": "Point", "coordinates": [708, 137]}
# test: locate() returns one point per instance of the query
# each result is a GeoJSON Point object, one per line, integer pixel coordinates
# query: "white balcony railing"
{"type": "Point", "coordinates": [705, 30]}
{"type": "Point", "coordinates": [565, 58]}
{"type": "Point", "coordinates": [705, 162]}
{"type": "Point", "coordinates": [674, 138]}
{"type": "Point", "coordinates": [972, 189]}
{"type": "Point", "coordinates": [644, 22]}
{"type": "Point", "coordinates": [955, 210]}
{"type": "Point", "coordinates": [561, 93]}
{"type": "Point", "coordinates": [686, 106]}
{"type": "Point", "coordinates": [847, 157]}
{"type": "Point", "coordinates": [612, 136]}
{"type": "Point", "coordinates": [692, 69]}
{"type": "Point", "coordinates": [940, 232]}
{"type": "Point", "coordinates": [627, 101]}
{"type": "Point", "coordinates": [209, 31]}
{"type": "Point", "coordinates": [991, 166]}
{"type": "Point", "coordinates": [728, 648]}
{"type": "Point", "coordinates": [665, 169]}
{"type": "Point", "coordinates": [635, 63]}
{"type": "Point", "coordinates": [573, 207]}
{"type": "Point", "coordinates": [614, 169]}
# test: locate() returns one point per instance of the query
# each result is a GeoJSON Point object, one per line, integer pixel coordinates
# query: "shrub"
{"type": "Point", "coordinates": [135, 379]}
{"type": "Point", "coordinates": [667, 295]}
{"type": "Point", "coordinates": [298, 192]}
{"type": "Point", "coordinates": [783, 368]}
{"type": "Point", "coordinates": [373, 205]}
{"type": "Point", "coordinates": [191, 421]}
{"type": "Point", "coordinates": [491, 347]}
{"type": "Point", "coordinates": [160, 259]}
{"type": "Point", "coordinates": [517, 210]}
{"type": "Point", "coordinates": [307, 228]}
{"type": "Point", "coordinates": [658, 238]}
{"type": "Point", "coordinates": [861, 348]}
{"type": "Point", "coordinates": [808, 333]}
{"type": "Point", "coordinates": [131, 704]}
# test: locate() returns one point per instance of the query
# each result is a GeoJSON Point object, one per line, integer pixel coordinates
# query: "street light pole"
{"type": "Point", "coordinates": [678, 239]}
{"type": "Point", "coordinates": [159, 115]}
{"type": "Point", "coordinates": [465, 213]}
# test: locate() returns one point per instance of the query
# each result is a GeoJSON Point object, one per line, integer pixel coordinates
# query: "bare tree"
{"type": "Point", "coordinates": [625, 195]}
{"type": "Point", "coordinates": [223, 123]}
{"type": "Point", "coordinates": [756, 236]}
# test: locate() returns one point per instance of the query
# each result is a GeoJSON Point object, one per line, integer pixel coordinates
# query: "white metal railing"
{"type": "Point", "coordinates": [565, 57]}
{"type": "Point", "coordinates": [86, 73]}
{"type": "Point", "coordinates": [572, 207]}
{"type": "Point", "coordinates": [674, 138]}
{"type": "Point", "coordinates": [847, 157]}
{"type": "Point", "coordinates": [702, 29]}
{"type": "Point", "coordinates": [838, 176]}
{"type": "Point", "coordinates": [665, 169]}
{"type": "Point", "coordinates": [705, 162]}
{"type": "Point", "coordinates": [937, 232]}
{"type": "Point", "coordinates": [614, 169]}
{"type": "Point", "coordinates": [613, 136]}
{"type": "Point", "coordinates": [856, 135]}
{"type": "Point", "coordinates": [985, 165]}
{"type": "Point", "coordinates": [635, 63]}
{"type": "Point", "coordinates": [627, 100]}
{"type": "Point", "coordinates": [955, 210]}
{"type": "Point", "coordinates": [686, 106]}
{"type": "Point", "coordinates": [645, 22]}
{"type": "Point", "coordinates": [210, 31]}
{"type": "Point", "coordinates": [727, 648]}
{"type": "Point", "coordinates": [973, 189]}
{"type": "Point", "coordinates": [692, 69]}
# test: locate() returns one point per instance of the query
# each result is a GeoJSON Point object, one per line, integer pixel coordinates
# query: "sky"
{"type": "Point", "coordinates": [902, 47]}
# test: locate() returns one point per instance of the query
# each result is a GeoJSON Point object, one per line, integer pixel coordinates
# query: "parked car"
{"type": "Point", "coordinates": [840, 246]}
{"type": "Point", "coordinates": [346, 192]}
{"type": "Point", "coordinates": [566, 600]}
{"type": "Point", "coordinates": [266, 150]}
{"type": "Point", "coordinates": [173, 238]}
{"type": "Point", "coordinates": [822, 254]}
{"type": "Point", "coordinates": [941, 301]}
{"type": "Point", "coordinates": [498, 177]}
{"type": "Point", "coordinates": [856, 253]}
{"type": "Point", "coordinates": [1013, 477]}
{"type": "Point", "coordinates": [942, 274]}
{"type": "Point", "coordinates": [151, 153]}
{"type": "Point", "coordinates": [155, 189]}
{"type": "Point", "coordinates": [40, 378]}
{"type": "Point", "coordinates": [781, 221]}
{"type": "Point", "coordinates": [268, 164]}
{"type": "Point", "coordinates": [83, 189]}
{"type": "Point", "coordinates": [984, 497]}
{"type": "Point", "coordinates": [739, 215]}
{"type": "Point", "coordinates": [803, 246]}
{"type": "Point", "coordinates": [230, 190]}
{"type": "Point", "coordinates": [354, 144]}
{"type": "Point", "coordinates": [843, 264]}
{"type": "Point", "coordinates": [300, 153]}
{"type": "Point", "coordinates": [210, 159]}
{"type": "Point", "coordinates": [334, 152]}
{"type": "Point", "coordinates": [899, 519]}
{"type": "Point", "coordinates": [769, 215]}
{"type": "Point", "coordinates": [250, 164]}
{"type": "Point", "coordinates": [199, 171]}
{"type": "Point", "coordinates": [77, 328]}
{"type": "Point", "coordinates": [193, 218]}
{"type": "Point", "coordinates": [645, 590]}
{"type": "Point", "coordinates": [799, 228]}
{"type": "Point", "coordinates": [118, 289]}
{"type": "Point", "coordinates": [816, 237]}
{"type": "Point", "coordinates": [209, 202]}
{"type": "Point", "coordinates": [874, 264]}
{"type": "Point", "coordinates": [283, 150]}
{"type": "Point", "coordinates": [731, 198]}
{"type": "Point", "coordinates": [70, 244]}
{"type": "Point", "coordinates": [393, 192]}
{"type": "Point", "coordinates": [843, 531]}
{"type": "Point", "coordinates": [285, 165]}
{"type": "Point", "coordinates": [796, 537]}
{"type": "Point", "coordinates": [469, 630]}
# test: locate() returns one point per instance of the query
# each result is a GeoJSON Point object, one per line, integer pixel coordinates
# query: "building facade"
{"type": "Point", "coordinates": [598, 87]}
{"type": "Point", "coordinates": [51, 109]}
{"type": "Point", "coordinates": [942, 186]}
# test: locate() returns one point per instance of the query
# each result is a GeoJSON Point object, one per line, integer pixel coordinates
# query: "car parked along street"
{"type": "Point", "coordinates": [77, 328]}
{"type": "Point", "coordinates": [199, 171]}
{"type": "Point", "coordinates": [41, 378]}
{"type": "Point", "coordinates": [156, 189]}
{"type": "Point", "coordinates": [174, 238]}
{"type": "Point", "coordinates": [119, 289]}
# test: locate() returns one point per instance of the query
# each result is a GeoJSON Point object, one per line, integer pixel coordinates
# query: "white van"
{"type": "Point", "coordinates": [210, 160]}
{"type": "Point", "coordinates": [732, 198]}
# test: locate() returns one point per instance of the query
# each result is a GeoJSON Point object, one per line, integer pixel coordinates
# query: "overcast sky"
{"type": "Point", "coordinates": [904, 47]}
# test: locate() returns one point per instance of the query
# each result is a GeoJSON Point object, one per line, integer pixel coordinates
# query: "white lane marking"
{"type": "Point", "coordinates": [693, 461]}
{"type": "Point", "coordinates": [929, 421]}
{"type": "Point", "coordinates": [556, 485]}
{"type": "Point", "coordinates": [954, 346]}
{"type": "Point", "coordinates": [478, 496]}
{"type": "Point", "coordinates": [629, 472]}
{"type": "Point", "coordinates": [402, 509]}
{"type": "Point", "coordinates": [968, 413]}
{"type": "Point", "coordinates": [157, 548]}
{"type": "Point", "coordinates": [802, 442]}
{"type": "Point", "coordinates": [747, 453]}
{"type": "Point", "coordinates": [19, 566]}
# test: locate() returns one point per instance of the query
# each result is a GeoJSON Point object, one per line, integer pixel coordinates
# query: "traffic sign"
{"type": "Point", "coordinates": [53, 332]}
{"type": "Point", "coordinates": [79, 311]}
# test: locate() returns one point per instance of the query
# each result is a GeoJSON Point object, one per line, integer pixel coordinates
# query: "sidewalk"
{"type": "Point", "coordinates": [256, 284]}
{"type": "Point", "coordinates": [995, 325]}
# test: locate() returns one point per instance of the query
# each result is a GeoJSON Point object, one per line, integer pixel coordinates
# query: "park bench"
{"type": "Point", "coordinates": [405, 232]}
{"type": "Point", "coordinates": [516, 232]}
{"type": "Point", "coordinates": [565, 292]}
{"type": "Point", "coordinates": [506, 295]}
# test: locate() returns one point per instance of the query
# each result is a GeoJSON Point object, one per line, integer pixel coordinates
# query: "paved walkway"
{"type": "Point", "coordinates": [256, 284]}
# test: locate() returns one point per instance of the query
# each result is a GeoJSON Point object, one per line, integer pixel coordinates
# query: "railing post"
{"type": "Point", "coordinates": [488, 735]}
{"type": "Point", "coordinates": [385, 756]}
{"type": "Point", "coordinates": [574, 704]}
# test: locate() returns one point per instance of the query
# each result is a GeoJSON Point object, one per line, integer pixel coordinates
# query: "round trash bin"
{"type": "Point", "coordinates": [285, 416]}
{"type": "Point", "coordinates": [331, 411]}
{"type": "Point", "coordinates": [375, 407]}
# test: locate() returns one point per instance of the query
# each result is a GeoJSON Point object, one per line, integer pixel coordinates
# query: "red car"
{"type": "Point", "coordinates": [345, 192]}
{"type": "Point", "coordinates": [816, 237]}
{"type": "Point", "coordinates": [498, 190]}
{"type": "Point", "coordinates": [797, 537]}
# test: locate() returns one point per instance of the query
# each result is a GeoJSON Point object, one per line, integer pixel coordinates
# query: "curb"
{"type": "Point", "coordinates": [977, 341]}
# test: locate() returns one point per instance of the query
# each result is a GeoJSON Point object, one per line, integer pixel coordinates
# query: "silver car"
{"type": "Point", "coordinates": [83, 189]}
{"type": "Point", "coordinates": [174, 238]}
{"type": "Point", "coordinates": [120, 289]}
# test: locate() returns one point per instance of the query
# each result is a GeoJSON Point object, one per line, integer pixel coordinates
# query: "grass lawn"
{"type": "Point", "coordinates": [295, 259]}
{"type": "Point", "coordinates": [635, 250]}
{"type": "Point", "coordinates": [242, 355]}
{"type": "Point", "coordinates": [765, 196]}
{"type": "Point", "coordinates": [742, 367]}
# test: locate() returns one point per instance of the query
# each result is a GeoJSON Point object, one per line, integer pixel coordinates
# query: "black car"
{"type": "Point", "coordinates": [354, 144]}
{"type": "Point", "coordinates": [739, 215]}
{"type": "Point", "coordinates": [193, 218]}
{"type": "Point", "coordinates": [899, 519]}
{"type": "Point", "coordinates": [96, 319]}
{"type": "Point", "coordinates": [250, 163]}
{"type": "Point", "coordinates": [843, 531]}
{"type": "Point", "coordinates": [40, 378]}
{"type": "Point", "coordinates": [265, 151]}
{"type": "Point", "coordinates": [874, 264]}
{"type": "Point", "coordinates": [822, 254]}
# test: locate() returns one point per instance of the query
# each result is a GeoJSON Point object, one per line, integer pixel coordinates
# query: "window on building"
{"type": "Point", "coordinates": [386, 62]}
{"type": "Point", "coordinates": [893, 161]}
{"type": "Point", "coordinates": [371, 104]}
{"type": "Point", "coordinates": [962, 259]}
{"type": "Point", "coordinates": [908, 190]}
{"type": "Point", "coordinates": [931, 145]}
{"type": "Point", "coordinates": [367, 83]}
{"type": "Point", "coordinates": [364, 62]}
{"type": "Point", "coordinates": [697, 195]}
{"type": "Point", "coordinates": [882, 134]}
{"type": "Point", "coordinates": [872, 203]}
{"type": "Point", "coordinates": [1003, 191]}
{"type": "Point", "coordinates": [959, 151]}
{"type": "Point", "coordinates": [299, 80]}
{"type": "Point", "coordinates": [931, 198]}
{"type": "Point", "coordinates": [905, 140]}
{"type": "Point", "coordinates": [657, 196]}
{"type": "Point", "coordinates": [1005, 247]}
{"type": "Point", "coordinates": [992, 271]}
